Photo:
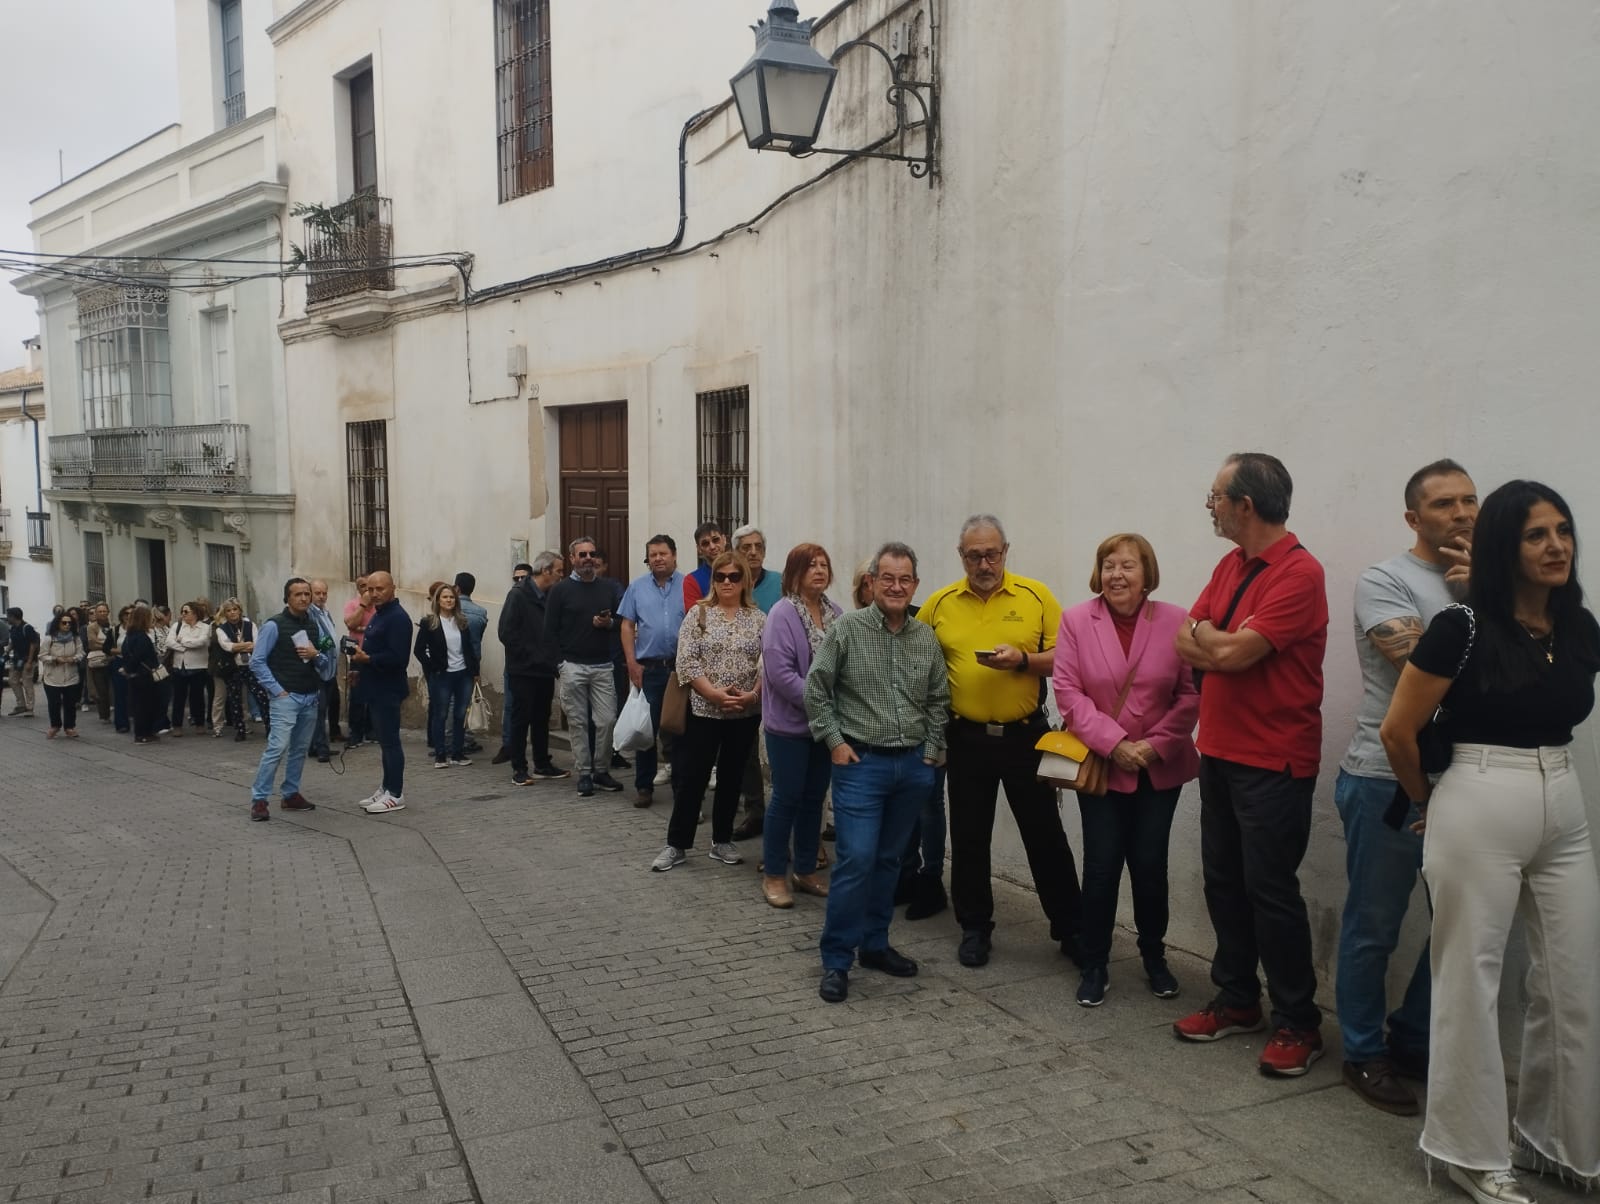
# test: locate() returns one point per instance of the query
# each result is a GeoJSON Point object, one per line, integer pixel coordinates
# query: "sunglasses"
{"type": "Point", "coordinates": [731, 578]}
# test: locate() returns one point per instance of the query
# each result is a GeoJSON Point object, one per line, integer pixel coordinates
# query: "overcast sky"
{"type": "Point", "coordinates": [87, 78]}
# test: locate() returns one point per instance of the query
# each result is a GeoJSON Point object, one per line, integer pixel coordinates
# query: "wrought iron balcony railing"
{"type": "Point", "coordinates": [349, 248]}
{"type": "Point", "coordinates": [5, 534]}
{"type": "Point", "coordinates": [38, 535]}
{"type": "Point", "coordinates": [233, 109]}
{"type": "Point", "coordinates": [213, 458]}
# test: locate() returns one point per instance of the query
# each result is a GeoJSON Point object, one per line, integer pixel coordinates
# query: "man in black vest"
{"type": "Point", "coordinates": [292, 655]}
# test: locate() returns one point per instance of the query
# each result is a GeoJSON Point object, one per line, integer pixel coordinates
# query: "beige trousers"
{"type": "Point", "coordinates": [1507, 837]}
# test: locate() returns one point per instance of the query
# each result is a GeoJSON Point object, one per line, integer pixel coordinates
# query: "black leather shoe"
{"type": "Point", "coordinates": [889, 961]}
{"type": "Point", "coordinates": [927, 897]}
{"type": "Point", "coordinates": [835, 986]}
{"type": "Point", "coordinates": [750, 829]}
{"type": "Point", "coordinates": [502, 756]}
{"type": "Point", "coordinates": [974, 948]}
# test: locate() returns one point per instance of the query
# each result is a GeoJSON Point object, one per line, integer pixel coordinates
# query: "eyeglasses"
{"type": "Point", "coordinates": [519, 577]}
{"type": "Point", "coordinates": [897, 582]}
{"type": "Point", "coordinates": [730, 578]}
{"type": "Point", "coordinates": [1213, 498]}
{"type": "Point", "coordinates": [584, 556]}
{"type": "Point", "coordinates": [975, 556]}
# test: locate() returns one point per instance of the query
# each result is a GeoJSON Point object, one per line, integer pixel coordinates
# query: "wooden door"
{"type": "Point", "coordinates": [594, 479]}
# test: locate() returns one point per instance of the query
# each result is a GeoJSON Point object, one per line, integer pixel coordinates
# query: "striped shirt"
{"type": "Point", "coordinates": [880, 687]}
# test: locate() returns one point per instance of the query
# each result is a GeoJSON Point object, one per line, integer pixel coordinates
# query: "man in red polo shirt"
{"type": "Point", "coordinates": [1257, 634]}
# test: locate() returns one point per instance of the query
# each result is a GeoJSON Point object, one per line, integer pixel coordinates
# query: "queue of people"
{"type": "Point", "coordinates": [1477, 657]}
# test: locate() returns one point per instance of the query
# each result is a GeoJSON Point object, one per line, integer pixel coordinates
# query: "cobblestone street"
{"type": "Point", "coordinates": [487, 997]}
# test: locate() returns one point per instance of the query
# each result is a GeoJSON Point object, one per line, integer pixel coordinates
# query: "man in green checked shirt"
{"type": "Point", "coordinates": [877, 696]}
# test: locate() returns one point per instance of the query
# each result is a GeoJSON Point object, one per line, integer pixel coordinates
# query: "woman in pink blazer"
{"type": "Point", "coordinates": [1122, 690]}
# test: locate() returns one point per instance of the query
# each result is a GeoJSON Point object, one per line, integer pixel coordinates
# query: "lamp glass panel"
{"type": "Point", "coordinates": [794, 101]}
{"type": "Point", "coordinates": [747, 95]}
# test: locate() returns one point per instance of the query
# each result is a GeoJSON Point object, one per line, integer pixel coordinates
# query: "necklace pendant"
{"type": "Point", "coordinates": [1550, 656]}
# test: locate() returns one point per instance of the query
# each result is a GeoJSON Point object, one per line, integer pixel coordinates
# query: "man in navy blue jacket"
{"type": "Point", "coordinates": [383, 657]}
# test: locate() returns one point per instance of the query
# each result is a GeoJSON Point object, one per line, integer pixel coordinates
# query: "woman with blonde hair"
{"type": "Point", "coordinates": [449, 666]}
{"type": "Point", "coordinates": [719, 654]}
{"type": "Point", "coordinates": [1122, 690]}
{"type": "Point", "coordinates": [236, 636]}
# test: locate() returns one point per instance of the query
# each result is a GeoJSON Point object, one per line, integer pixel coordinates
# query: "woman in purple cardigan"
{"type": "Point", "coordinates": [801, 768]}
{"type": "Point", "coordinates": [1122, 690]}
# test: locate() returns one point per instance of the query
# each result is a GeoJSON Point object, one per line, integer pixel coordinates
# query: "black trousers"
{"type": "Point", "coordinates": [531, 699]}
{"type": "Point", "coordinates": [1129, 829]}
{"type": "Point", "coordinates": [189, 693]}
{"type": "Point", "coordinates": [144, 701]}
{"type": "Point", "coordinates": [62, 702]}
{"type": "Point", "coordinates": [724, 743]}
{"type": "Point", "coordinates": [1254, 828]}
{"type": "Point", "coordinates": [979, 764]}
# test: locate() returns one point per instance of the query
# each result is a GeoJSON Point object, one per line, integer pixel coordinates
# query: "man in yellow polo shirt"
{"type": "Point", "coordinates": [998, 633]}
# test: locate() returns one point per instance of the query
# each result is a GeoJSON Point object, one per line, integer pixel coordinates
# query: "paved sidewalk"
{"type": "Point", "coordinates": [487, 997]}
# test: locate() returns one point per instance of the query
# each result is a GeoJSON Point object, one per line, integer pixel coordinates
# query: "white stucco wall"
{"type": "Point", "coordinates": [1355, 236]}
{"type": "Point", "coordinates": [29, 583]}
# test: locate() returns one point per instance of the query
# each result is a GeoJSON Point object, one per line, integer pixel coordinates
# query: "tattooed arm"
{"type": "Point", "coordinates": [1395, 638]}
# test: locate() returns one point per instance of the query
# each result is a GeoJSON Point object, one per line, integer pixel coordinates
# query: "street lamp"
{"type": "Point", "coordinates": [782, 94]}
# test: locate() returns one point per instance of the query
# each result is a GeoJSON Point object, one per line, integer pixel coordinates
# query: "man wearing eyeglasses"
{"type": "Point", "coordinates": [1258, 632]}
{"type": "Point", "coordinates": [876, 696]}
{"type": "Point", "coordinates": [710, 541]}
{"type": "Point", "coordinates": [998, 634]}
{"type": "Point", "coordinates": [579, 616]}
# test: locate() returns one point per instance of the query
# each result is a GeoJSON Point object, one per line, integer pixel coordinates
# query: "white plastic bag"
{"type": "Point", "coordinates": [634, 731]}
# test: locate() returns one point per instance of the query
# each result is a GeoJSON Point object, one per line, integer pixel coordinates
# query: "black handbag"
{"type": "Point", "coordinates": [1434, 741]}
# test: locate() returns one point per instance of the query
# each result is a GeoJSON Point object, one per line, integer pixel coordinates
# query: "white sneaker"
{"type": "Point", "coordinates": [373, 797]}
{"type": "Point", "coordinates": [384, 803]}
{"type": "Point", "coordinates": [663, 775]}
{"type": "Point", "coordinates": [725, 853]}
{"type": "Point", "coordinates": [667, 858]}
{"type": "Point", "coordinates": [712, 784]}
{"type": "Point", "coordinates": [1490, 1187]}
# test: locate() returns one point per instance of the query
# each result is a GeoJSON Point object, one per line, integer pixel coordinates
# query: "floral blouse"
{"type": "Point", "coordinates": [727, 651]}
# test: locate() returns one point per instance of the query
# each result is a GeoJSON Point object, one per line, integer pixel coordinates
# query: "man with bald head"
{"type": "Point", "coordinates": [383, 656]}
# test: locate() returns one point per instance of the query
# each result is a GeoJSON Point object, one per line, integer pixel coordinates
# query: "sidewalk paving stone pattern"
{"type": "Point", "coordinates": [195, 1008]}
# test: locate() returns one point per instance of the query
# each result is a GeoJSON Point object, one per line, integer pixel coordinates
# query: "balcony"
{"type": "Point", "coordinates": [348, 248]}
{"type": "Point", "coordinates": [233, 109]}
{"type": "Point", "coordinates": [212, 458]}
{"type": "Point", "coordinates": [5, 534]}
{"type": "Point", "coordinates": [38, 535]}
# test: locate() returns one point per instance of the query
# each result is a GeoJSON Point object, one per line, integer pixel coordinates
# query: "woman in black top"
{"type": "Point", "coordinates": [1506, 835]}
{"type": "Point", "coordinates": [139, 663]}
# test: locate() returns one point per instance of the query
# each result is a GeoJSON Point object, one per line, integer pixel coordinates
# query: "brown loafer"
{"type": "Point", "coordinates": [823, 860]}
{"type": "Point", "coordinates": [776, 892]}
{"type": "Point", "coordinates": [810, 884]}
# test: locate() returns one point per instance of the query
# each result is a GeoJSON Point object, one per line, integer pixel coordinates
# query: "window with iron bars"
{"type": "Point", "coordinates": [231, 19]}
{"type": "Point", "coordinates": [222, 572]}
{"type": "Point", "coordinates": [367, 448]}
{"type": "Point", "coordinates": [124, 357]}
{"type": "Point", "coordinates": [522, 91]}
{"type": "Point", "coordinates": [94, 567]}
{"type": "Point", "coordinates": [722, 462]}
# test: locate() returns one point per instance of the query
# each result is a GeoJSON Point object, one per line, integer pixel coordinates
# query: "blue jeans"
{"type": "Point", "coordinates": [875, 804]}
{"type": "Point", "coordinates": [294, 719]}
{"type": "Point", "coordinates": [383, 713]}
{"type": "Point", "coordinates": [1382, 866]}
{"type": "Point", "coordinates": [452, 693]}
{"type": "Point", "coordinates": [924, 853]}
{"type": "Point", "coordinates": [800, 774]}
{"type": "Point", "coordinates": [654, 685]}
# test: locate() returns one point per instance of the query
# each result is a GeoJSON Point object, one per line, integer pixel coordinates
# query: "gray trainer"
{"type": "Point", "coordinates": [667, 858]}
{"type": "Point", "coordinates": [725, 853]}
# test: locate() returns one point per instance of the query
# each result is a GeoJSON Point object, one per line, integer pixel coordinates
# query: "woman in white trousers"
{"type": "Point", "coordinates": [1506, 836]}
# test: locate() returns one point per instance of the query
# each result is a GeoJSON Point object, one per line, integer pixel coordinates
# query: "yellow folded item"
{"type": "Point", "coordinates": [1063, 744]}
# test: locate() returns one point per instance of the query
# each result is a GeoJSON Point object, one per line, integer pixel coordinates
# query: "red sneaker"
{"type": "Point", "coordinates": [297, 802]}
{"type": "Point", "coordinates": [1217, 1020]}
{"type": "Point", "coordinates": [1290, 1052]}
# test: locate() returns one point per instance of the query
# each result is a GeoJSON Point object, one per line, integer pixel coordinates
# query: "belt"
{"type": "Point", "coordinates": [1027, 725]}
{"type": "Point", "coordinates": [658, 662]}
{"type": "Point", "coordinates": [882, 750]}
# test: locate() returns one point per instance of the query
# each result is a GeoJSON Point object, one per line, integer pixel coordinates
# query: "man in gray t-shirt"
{"type": "Point", "coordinates": [1394, 602]}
